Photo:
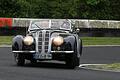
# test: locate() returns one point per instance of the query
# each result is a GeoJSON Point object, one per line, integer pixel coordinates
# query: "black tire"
{"type": "Point", "coordinates": [33, 61]}
{"type": "Point", "coordinates": [81, 46]}
{"type": "Point", "coordinates": [71, 61]}
{"type": "Point", "coordinates": [19, 59]}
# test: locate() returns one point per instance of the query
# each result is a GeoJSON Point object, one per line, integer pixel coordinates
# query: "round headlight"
{"type": "Point", "coordinates": [57, 41]}
{"type": "Point", "coordinates": [28, 40]}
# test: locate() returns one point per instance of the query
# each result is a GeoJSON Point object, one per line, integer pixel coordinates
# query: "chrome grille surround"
{"type": "Point", "coordinates": [43, 41]}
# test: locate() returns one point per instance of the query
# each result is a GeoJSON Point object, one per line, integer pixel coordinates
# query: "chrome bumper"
{"type": "Point", "coordinates": [23, 51]}
{"type": "Point", "coordinates": [35, 51]}
{"type": "Point", "coordinates": [62, 51]}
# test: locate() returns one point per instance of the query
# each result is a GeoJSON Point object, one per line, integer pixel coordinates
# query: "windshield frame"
{"type": "Point", "coordinates": [49, 27]}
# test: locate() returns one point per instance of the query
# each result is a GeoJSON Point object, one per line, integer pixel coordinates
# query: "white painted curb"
{"type": "Point", "coordinates": [84, 67]}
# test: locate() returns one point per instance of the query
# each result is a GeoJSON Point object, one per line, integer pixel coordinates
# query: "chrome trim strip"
{"type": "Point", "coordinates": [23, 51]}
{"type": "Point", "coordinates": [62, 51]}
{"type": "Point", "coordinates": [37, 35]}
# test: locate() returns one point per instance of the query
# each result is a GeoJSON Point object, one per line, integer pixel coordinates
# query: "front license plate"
{"type": "Point", "coordinates": [43, 56]}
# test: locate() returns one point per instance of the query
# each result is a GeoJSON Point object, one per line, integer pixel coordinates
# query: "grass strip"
{"type": "Point", "coordinates": [101, 40]}
{"type": "Point", "coordinates": [7, 40]}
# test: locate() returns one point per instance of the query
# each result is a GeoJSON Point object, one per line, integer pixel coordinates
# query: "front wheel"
{"type": "Point", "coordinates": [33, 61]}
{"type": "Point", "coordinates": [71, 61]}
{"type": "Point", "coordinates": [19, 59]}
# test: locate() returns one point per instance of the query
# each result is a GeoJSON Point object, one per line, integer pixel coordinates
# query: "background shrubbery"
{"type": "Point", "coordinates": [83, 9]}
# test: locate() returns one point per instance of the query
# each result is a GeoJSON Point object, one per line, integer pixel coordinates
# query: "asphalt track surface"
{"type": "Point", "coordinates": [57, 71]}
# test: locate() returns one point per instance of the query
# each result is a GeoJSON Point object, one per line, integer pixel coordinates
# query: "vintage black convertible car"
{"type": "Point", "coordinates": [48, 40]}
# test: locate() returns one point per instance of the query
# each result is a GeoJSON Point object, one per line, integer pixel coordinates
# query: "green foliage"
{"type": "Point", "coordinates": [93, 2]}
{"type": "Point", "coordinates": [85, 9]}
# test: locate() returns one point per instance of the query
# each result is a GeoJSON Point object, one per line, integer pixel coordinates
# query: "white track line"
{"type": "Point", "coordinates": [5, 45]}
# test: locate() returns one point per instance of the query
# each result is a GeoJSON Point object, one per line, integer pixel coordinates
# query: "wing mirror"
{"type": "Point", "coordinates": [77, 30]}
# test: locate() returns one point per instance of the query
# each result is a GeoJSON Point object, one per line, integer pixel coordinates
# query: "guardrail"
{"type": "Point", "coordinates": [97, 24]}
{"type": "Point", "coordinates": [80, 23]}
{"type": "Point", "coordinates": [22, 22]}
{"type": "Point", "coordinates": [99, 28]}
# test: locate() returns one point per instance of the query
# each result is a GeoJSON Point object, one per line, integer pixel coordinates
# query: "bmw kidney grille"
{"type": "Point", "coordinates": [43, 41]}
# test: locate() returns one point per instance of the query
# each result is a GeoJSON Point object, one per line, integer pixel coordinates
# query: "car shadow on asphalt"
{"type": "Point", "coordinates": [47, 65]}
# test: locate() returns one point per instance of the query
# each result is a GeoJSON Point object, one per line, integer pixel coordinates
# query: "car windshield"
{"type": "Point", "coordinates": [50, 24]}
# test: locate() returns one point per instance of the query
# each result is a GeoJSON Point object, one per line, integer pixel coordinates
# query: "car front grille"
{"type": "Point", "coordinates": [43, 41]}
{"type": "Point", "coordinates": [46, 41]}
{"type": "Point", "coordinates": [40, 42]}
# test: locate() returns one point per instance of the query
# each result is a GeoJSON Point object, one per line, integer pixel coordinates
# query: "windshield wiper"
{"type": "Point", "coordinates": [37, 26]}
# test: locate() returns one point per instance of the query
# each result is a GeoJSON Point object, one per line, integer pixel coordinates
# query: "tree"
{"type": "Point", "coordinates": [80, 9]}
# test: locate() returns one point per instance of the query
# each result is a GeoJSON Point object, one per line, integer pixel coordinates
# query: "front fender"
{"type": "Point", "coordinates": [70, 40]}
{"type": "Point", "coordinates": [75, 43]}
{"type": "Point", "coordinates": [79, 45]}
{"type": "Point", "coordinates": [17, 42]}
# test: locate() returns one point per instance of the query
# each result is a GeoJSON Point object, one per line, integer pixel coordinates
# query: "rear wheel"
{"type": "Point", "coordinates": [19, 59]}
